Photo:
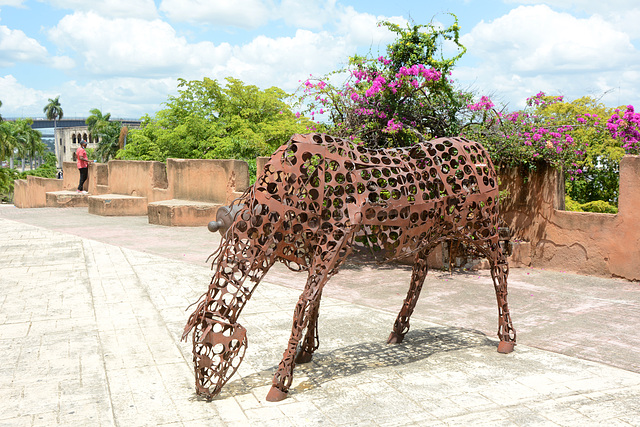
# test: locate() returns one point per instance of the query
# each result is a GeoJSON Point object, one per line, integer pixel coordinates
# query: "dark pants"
{"type": "Point", "coordinates": [84, 173]}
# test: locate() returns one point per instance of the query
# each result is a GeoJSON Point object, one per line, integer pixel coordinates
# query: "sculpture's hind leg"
{"type": "Point", "coordinates": [499, 274]}
{"type": "Point", "coordinates": [401, 325]}
{"type": "Point", "coordinates": [311, 342]}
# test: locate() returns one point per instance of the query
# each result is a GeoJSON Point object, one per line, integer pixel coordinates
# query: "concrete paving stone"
{"type": "Point", "coordinates": [230, 411]}
{"type": "Point", "coordinates": [303, 414]}
{"type": "Point", "coordinates": [25, 421]}
{"type": "Point", "coordinates": [442, 375]}
{"type": "Point", "coordinates": [10, 331]}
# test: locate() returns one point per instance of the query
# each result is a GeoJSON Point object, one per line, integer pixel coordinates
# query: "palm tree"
{"type": "Point", "coordinates": [10, 143]}
{"type": "Point", "coordinates": [1, 114]}
{"type": "Point", "coordinates": [30, 140]}
{"type": "Point", "coordinates": [7, 142]}
{"type": "Point", "coordinates": [54, 112]}
{"type": "Point", "coordinates": [97, 122]}
{"type": "Point", "coordinates": [109, 143]}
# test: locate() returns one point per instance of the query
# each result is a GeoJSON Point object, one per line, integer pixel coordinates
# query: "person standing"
{"type": "Point", "coordinates": [83, 164]}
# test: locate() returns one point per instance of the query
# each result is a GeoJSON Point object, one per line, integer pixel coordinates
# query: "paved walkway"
{"type": "Point", "coordinates": [92, 309]}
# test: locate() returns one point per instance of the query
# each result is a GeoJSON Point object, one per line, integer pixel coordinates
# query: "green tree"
{"type": "Point", "coordinates": [596, 175]}
{"type": "Point", "coordinates": [29, 140]}
{"type": "Point", "coordinates": [208, 120]}
{"type": "Point", "coordinates": [97, 121]}
{"type": "Point", "coordinates": [1, 114]}
{"type": "Point", "coordinates": [108, 144]}
{"type": "Point", "coordinates": [107, 133]}
{"type": "Point", "coordinates": [53, 111]}
{"type": "Point", "coordinates": [7, 140]}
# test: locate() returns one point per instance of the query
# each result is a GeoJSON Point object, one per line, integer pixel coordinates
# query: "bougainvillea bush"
{"type": "Point", "coordinates": [395, 99]}
{"type": "Point", "coordinates": [625, 127]}
{"type": "Point", "coordinates": [408, 95]}
{"type": "Point", "coordinates": [571, 136]}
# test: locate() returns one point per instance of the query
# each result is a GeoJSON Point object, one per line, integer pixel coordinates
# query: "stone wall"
{"type": "Point", "coordinates": [138, 178]}
{"type": "Point", "coordinates": [586, 243]}
{"type": "Point", "coordinates": [31, 192]}
{"type": "Point", "coordinates": [207, 180]}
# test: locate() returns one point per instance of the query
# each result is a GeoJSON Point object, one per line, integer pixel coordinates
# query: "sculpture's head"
{"type": "Point", "coordinates": [218, 349]}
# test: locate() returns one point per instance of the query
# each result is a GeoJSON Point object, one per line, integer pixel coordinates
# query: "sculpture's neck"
{"type": "Point", "coordinates": [237, 274]}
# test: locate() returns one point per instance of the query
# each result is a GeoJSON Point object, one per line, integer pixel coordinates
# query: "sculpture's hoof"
{"type": "Point", "coordinates": [506, 347]}
{"type": "Point", "coordinates": [395, 338]}
{"type": "Point", "coordinates": [303, 357]}
{"type": "Point", "coordinates": [276, 395]}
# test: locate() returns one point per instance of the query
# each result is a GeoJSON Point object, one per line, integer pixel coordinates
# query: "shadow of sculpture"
{"type": "Point", "coordinates": [362, 357]}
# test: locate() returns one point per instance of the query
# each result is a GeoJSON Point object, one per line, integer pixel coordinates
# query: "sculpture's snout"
{"type": "Point", "coordinates": [224, 218]}
{"type": "Point", "coordinates": [218, 350]}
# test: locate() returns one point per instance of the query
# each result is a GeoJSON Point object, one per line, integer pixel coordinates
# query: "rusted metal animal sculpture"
{"type": "Point", "coordinates": [317, 197]}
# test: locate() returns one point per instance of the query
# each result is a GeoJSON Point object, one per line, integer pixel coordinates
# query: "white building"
{"type": "Point", "coordinates": [67, 142]}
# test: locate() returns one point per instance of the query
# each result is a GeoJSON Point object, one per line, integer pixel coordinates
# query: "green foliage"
{"type": "Point", "coordinates": [18, 137]}
{"type": "Point", "coordinates": [7, 140]}
{"type": "Point", "coordinates": [210, 121]}
{"type": "Point", "coordinates": [423, 44]}
{"type": "Point", "coordinates": [107, 132]}
{"type": "Point", "coordinates": [108, 145]}
{"type": "Point", "coordinates": [47, 170]}
{"type": "Point", "coordinates": [571, 136]}
{"type": "Point", "coordinates": [97, 121]}
{"type": "Point", "coordinates": [53, 109]}
{"type": "Point", "coordinates": [597, 206]}
{"type": "Point", "coordinates": [7, 176]}
{"type": "Point", "coordinates": [598, 177]}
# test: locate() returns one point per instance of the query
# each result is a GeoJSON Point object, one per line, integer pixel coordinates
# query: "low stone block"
{"type": "Point", "coordinates": [177, 212]}
{"type": "Point", "coordinates": [117, 205]}
{"type": "Point", "coordinates": [66, 199]}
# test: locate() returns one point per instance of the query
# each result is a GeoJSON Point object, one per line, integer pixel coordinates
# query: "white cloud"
{"type": "Point", "coordinates": [623, 14]}
{"type": "Point", "coordinates": [307, 14]}
{"type": "Point", "coordinates": [128, 47]}
{"type": "Point", "coordinates": [537, 39]}
{"type": "Point", "coordinates": [18, 100]}
{"type": "Point", "coordinates": [122, 97]}
{"type": "Point", "coordinates": [284, 61]}
{"type": "Point", "coordinates": [16, 46]}
{"type": "Point", "coordinates": [534, 48]}
{"type": "Point", "coordinates": [13, 3]}
{"type": "Point", "coordinates": [130, 65]}
{"type": "Point", "coordinates": [362, 28]}
{"type": "Point", "coordinates": [238, 13]}
{"type": "Point", "coordinates": [141, 9]}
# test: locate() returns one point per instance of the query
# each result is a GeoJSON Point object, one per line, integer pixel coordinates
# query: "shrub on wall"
{"type": "Point", "coordinates": [597, 206]}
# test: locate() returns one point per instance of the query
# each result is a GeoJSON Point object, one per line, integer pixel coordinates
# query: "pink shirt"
{"type": "Point", "coordinates": [81, 163]}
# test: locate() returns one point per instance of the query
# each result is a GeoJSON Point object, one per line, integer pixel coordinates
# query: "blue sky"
{"type": "Point", "coordinates": [125, 56]}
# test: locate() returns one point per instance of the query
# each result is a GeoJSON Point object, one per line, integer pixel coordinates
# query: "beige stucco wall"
{"type": "Point", "coordinates": [206, 180]}
{"type": "Point", "coordinates": [138, 178]}
{"type": "Point", "coordinates": [587, 243]}
{"type": "Point", "coordinates": [31, 192]}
